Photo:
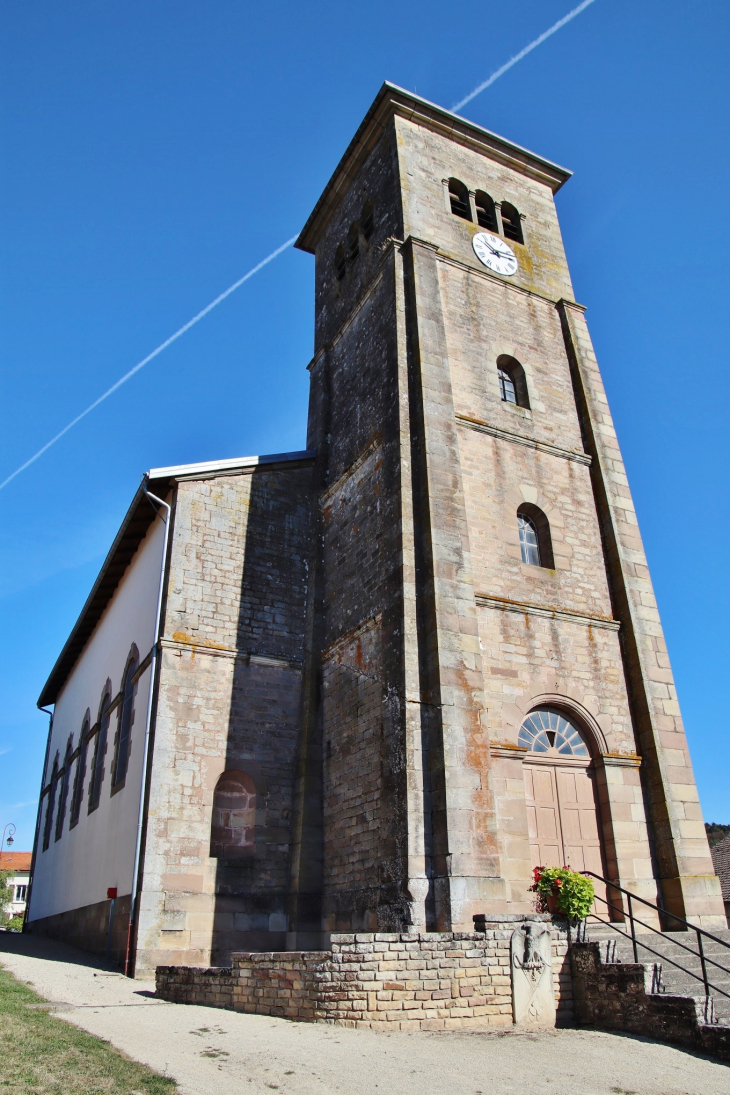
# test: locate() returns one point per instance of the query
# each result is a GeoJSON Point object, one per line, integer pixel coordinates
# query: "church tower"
{"type": "Point", "coordinates": [487, 686]}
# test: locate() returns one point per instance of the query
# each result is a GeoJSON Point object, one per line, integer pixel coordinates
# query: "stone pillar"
{"type": "Point", "coordinates": [465, 859]}
{"type": "Point", "coordinates": [689, 887]}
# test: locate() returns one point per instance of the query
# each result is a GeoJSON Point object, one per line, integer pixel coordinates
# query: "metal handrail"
{"type": "Point", "coordinates": [633, 921]}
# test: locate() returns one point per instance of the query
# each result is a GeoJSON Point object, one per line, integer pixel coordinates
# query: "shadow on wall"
{"type": "Point", "coordinates": [253, 805]}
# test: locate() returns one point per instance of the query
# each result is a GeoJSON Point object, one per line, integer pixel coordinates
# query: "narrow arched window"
{"type": "Point", "coordinates": [340, 262]}
{"type": "Point", "coordinates": [512, 381]}
{"type": "Point", "coordinates": [486, 215]}
{"type": "Point", "coordinates": [50, 804]}
{"type": "Point", "coordinates": [507, 386]}
{"type": "Point", "coordinates": [126, 718]}
{"type": "Point", "coordinates": [353, 242]}
{"type": "Point", "coordinates": [367, 223]}
{"type": "Point", "coordinates": [529, 545]}
{"type": "Point", "coordinates": [535, 541]}
{"type": "Point", "coordinates": [63, 795]}
{"type": "Point", "coordinates": [78, 791]}
{"type": "Point", "coordinates": [97, 767]}
{"type": "Point", "coordinates": [511, 223]}
{"type": "Point", "coordinates": [459, 198]}
{"type": "Point", "coordinates": [233, 825]}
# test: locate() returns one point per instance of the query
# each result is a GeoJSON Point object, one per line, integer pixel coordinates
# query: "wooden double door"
{"type": "Point", "coordinates": [562, 816]}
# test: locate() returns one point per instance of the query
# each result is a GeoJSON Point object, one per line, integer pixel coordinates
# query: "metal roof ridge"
{"type": "Point", "coordinates": [207, 466]}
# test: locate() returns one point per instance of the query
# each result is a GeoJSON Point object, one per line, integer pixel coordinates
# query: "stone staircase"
{"type": "Point", "coordinates": [615, 947]}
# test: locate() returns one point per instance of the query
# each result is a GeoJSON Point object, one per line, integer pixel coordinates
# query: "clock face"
{"type": "Point", "coordinates": [495, 253]}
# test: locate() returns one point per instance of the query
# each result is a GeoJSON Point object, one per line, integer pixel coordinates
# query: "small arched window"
{"type": "Point", "coordinates": [535, 542]}
{"type": "Point", "coordinates": [126, 719]}
{"type": "Point", "coordinates": [97, 767]}
{"type": "Point", "coordinates": [233, 825]}
{"type": "Point", "coordinates": [511, 223]}
{"type": "Point", "coordinates": [367, 223]}
{"type": "Point", "coordinates": [459, 198]}
{"type": "Point", "coordinates": [340, 262]}
{"type": "Point", "coordinates": [548, 731]}
{"type": "Point", "coordinates": [63, 795]}
{"type": "Point", "coordinates": [353, 242]}
{"type": "Point", "coordinates": [512, 381]}
{"type": "Point", "coordinates": [50, 804]}
{"type": "Point", "coordinates": [486, 215]}
{"type": "Point", "coordinates": [78, 791]}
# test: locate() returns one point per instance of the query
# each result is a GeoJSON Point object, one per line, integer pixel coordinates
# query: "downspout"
{"type": "Point", "coordinates": [29, 895]}
{"type": "Point", "coordinates": [148, 725]}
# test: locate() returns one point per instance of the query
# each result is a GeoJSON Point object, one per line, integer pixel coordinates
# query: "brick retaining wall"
{"type": "Point", "coordinates": [613, 996]}
{"type": "Point", "coordinates": [426, 981]}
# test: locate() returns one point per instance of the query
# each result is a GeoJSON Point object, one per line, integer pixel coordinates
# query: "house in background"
{"type": "Point", "coordinates": [19, 864]}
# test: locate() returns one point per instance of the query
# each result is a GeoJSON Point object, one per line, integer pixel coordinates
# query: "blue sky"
{"type": "Point", "coordinates": [155, 151]}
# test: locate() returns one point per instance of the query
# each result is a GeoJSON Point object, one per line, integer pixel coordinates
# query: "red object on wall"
{"type": "Point", "coordinates": [111, 892]}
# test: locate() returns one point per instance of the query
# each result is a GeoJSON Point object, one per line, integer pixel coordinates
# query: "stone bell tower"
{"type": "Point", "coordinates": [477, 560]}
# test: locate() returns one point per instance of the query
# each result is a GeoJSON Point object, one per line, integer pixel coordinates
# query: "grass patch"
{"type": "Point", "coordinates": [43, 1055]}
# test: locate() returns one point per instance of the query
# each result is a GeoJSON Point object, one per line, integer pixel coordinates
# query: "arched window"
{"type": "Point", "coordinates": [486, 215]}
{"type": "Point", "coordinates": [511, 223]}
{"type": "Point", "coordinates": [353, 242]}
{"type": "Point", "coordinates": [61, 816]}
{"type": "Point", "coordinates": [367, 223]}
{"type": "Point", "coordinates": [535, 541]}
{"type": "Point", "coordinates": [126, 718]}
{"type": "Point", "coordinates": [78, 791]}
{"type": "Point", "coordinates": [459, 198]}
{"type": "Point", "coordinates": [340, 262]}
{"type": "Point", "coordinates": [97, 767]}
{"type": "Point", "coordinates": [50, 803]}
{"type": "Point", "coordinates": [233, 825]}
{"type": "Point", "coordinates": [512, 381]}
{"type": "Point", "coordinates": [548, 731]}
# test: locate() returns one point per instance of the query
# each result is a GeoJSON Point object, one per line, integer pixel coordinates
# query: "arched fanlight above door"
{"type": "Point", "coordinates": [548, 732]}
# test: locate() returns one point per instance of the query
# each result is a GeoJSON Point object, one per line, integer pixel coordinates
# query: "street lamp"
{"type": "Point", "coordinates": [6, 843]}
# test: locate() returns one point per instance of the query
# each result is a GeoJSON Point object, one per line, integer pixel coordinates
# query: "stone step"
{"type": "Point", "coordinates": [669, 948]}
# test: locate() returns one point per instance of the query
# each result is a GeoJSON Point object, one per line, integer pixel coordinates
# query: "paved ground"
{"type": "Point", "coordinates": [213, 1052]}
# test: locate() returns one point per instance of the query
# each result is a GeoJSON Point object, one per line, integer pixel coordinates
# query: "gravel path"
{"type": "Point", "coordinates": [214, 1052]}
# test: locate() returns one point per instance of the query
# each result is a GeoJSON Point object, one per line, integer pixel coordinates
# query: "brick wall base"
{"type": "Point", "coordinates": [426, 981]}
{"type": "Point", "coordinates": [88, 928]}
{"type": "Point", "coordinates": [619, 997]}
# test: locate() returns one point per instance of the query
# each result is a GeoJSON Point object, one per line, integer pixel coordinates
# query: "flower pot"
{"type": "Point", "coordinates": [552, 903]}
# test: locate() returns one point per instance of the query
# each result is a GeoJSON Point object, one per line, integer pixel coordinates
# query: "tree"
{"type": "Point", "coordinates": [6, 896]}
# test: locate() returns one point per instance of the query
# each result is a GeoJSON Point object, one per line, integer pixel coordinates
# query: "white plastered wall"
{"type": "Point", "coordinates": [98, 852]}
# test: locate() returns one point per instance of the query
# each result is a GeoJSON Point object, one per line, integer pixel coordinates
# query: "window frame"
{"type": "Point", "coordinates": [101, 732]}
{"type": "Point", "coordinates": [125, 721]}
{"type": "Point", "coordinates": [540, 523]}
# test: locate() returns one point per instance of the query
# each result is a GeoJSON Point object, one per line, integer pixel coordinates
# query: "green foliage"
{"type": "Point", "coordinates": [6, 891]}
{"type": "Point", "coordinates": [716, 832]}
{"type": "Point", "coordinates": [15, 923]}
{"type": "Point", "coordinates": [574, 892]}
{"type": "Point", "coordinates": [44, 1055]}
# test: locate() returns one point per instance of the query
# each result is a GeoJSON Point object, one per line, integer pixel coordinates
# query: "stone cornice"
{"type": "Point", "coordinates": [520, 439]}
{"type": "Point", "coordinates": [247, 657]}
{"type": "Point", "coordinates": [547, 612]}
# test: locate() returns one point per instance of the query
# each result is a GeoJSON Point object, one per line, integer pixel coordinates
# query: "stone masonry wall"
{"type": "Point", "coordinates": [426, 981]}
{"type": "Point", "coordinates": [229, 698]}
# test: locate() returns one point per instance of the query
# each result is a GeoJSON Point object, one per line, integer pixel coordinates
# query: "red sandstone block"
{"type": "Point", "coordinates": [433, 1024]}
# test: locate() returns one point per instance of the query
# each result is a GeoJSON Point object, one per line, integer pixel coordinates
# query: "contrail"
{"type": "Point", "coordinates": [523, 53]}
{"type": "Point", "coordinates": [140, 365]}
